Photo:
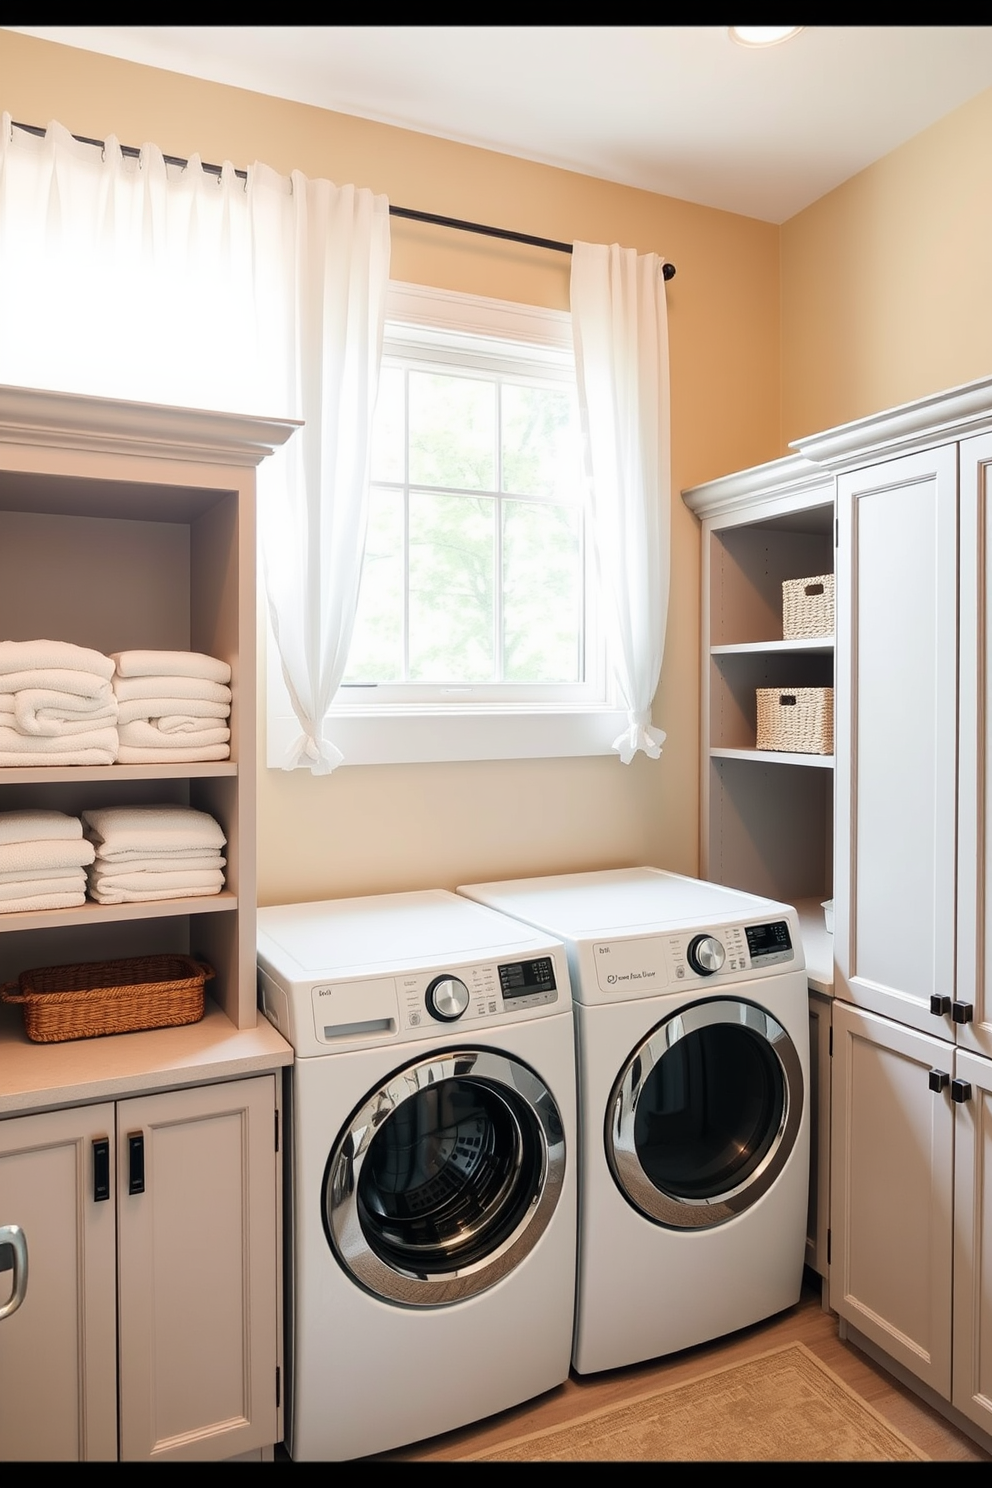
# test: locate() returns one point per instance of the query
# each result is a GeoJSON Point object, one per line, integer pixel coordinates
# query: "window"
{"type": "Point", "coordinates": [477, 633]}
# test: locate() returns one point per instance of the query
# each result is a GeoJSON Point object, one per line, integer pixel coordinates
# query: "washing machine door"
{"type": "Point", "coordinates": [705, 1114]}
{"type": "Point", "coordinates": [445, 1178]}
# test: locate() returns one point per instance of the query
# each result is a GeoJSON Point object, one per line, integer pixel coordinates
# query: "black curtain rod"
{"type": "Point", "coordinates": [667, 269]}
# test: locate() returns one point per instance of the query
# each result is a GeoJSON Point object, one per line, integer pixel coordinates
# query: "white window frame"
{"type": "Point", "coordinates": [429, 725]}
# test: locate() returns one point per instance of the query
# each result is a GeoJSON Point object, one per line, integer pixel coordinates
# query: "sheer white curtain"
{"type": "Point", "coordinates": [620, 328]}
{"type": "Point", "coordinates": [132, 278]}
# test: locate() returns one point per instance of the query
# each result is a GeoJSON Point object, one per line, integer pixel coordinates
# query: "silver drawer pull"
{"type": "Point", "coordinates": [14, 1256]}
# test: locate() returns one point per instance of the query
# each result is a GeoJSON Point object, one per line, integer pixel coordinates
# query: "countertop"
{"type": "Point", "coordinates": [41, 1077]}
{"type": "Point", "coordinates": [818, 944]}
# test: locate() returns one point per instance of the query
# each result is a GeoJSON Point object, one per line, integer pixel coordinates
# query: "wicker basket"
{"type": "Point", "coordinates": [808, 608]}
{"type": "Point", "coordinates": [797, 720]}
{"type": "Point", "coordinates": [100, 997]}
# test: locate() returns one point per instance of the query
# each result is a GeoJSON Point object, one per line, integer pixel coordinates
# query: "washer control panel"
{"type": "Point", "coordinates": [640, 965]}
{"type": "Point", "coordinates": [469, 994]}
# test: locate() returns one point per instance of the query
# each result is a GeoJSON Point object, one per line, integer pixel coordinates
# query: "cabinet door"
{"type": "Point", "coordinates": [972, 1392]}
{"type": "Point", "coordinates": [974, 964]}
{"type": "Point", "coordinates": [58, 1351]}
{"type": "Point", "coordinates": [818, 1212]}
{"type": "Point", "coordinates": [198, 1271]}
{"type": "Point", "coordinates": [890, 1198]}
{"type": "Point", "coordinates": [896, 744]}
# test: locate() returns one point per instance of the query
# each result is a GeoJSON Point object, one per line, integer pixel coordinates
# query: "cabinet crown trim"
{"type": "Point", "coordinates": [76, 421]}
{"type": "Point", "coordinates": [936, 419]}
{"type": "Point", "coordinates": [793, 475]}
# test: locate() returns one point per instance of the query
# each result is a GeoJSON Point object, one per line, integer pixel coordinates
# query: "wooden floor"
{"type": "Point", "coordinates": [806, 1323]}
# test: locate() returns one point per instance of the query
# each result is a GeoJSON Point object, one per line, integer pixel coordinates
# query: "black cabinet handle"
{"type": "Point", "coordinates": [136, 1162]}
{"type": "Point", "coordinates": [101, 1169]}
{"type": "Point", "coordinates": [960, 1091]}
{"type": "Point", "coordinates": [938, 1080]}
{"type": "Point", "coordinates": [940, 1005]}
{"type": "Point", "coordinates": [962, 1012]}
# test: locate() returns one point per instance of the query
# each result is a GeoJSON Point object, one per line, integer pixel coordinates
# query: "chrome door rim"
{"type": "Point", "coordinates": [677, 1211]}
{"type": "Point", "coordinates": [339, 1197]}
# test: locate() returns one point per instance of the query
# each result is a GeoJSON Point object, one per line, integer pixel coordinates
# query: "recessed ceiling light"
{"type": "Point", "coordinates": [761, 36]}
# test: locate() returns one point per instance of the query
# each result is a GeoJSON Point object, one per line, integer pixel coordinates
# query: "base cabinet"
{"type": "Point", "coordinates": [911, 1203]}
{"type": "Point", "coordinates": [149, 1330]}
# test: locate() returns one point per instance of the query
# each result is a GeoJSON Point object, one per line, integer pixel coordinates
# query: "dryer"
{"type": "Point", "coordinates": [431, 1210]}
{"type": "Point", "coordinates": [692, 1030]}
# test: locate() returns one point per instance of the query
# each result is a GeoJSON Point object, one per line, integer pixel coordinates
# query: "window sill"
{"type": "Point", "coordinates": [397, 736]}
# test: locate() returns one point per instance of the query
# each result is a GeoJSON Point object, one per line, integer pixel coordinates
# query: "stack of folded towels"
{"type": "Point", "coordinates": [57, 705]}
{"type": "Point", "coordinates": [173, 706]}
{"type": "Point", "coordinates": [153, 852]}
{"type": "Point", "coordinates": [43, 858]}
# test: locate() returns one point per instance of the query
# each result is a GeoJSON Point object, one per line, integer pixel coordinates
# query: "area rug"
{"type": "Point", "coordinates": [780, 1406]}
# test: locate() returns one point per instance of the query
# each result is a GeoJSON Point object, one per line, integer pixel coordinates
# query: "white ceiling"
{"type": "Point", "coordinates": [680, 110]}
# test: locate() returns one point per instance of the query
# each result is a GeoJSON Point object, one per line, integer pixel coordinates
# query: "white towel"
{"type": "Point", "coordinates": [37, 826]}
{"type": "Point", "coordinates": [22, 656]}
{"type": "Point", "coordinates": [128, 755]}
{"type": "Point", "coordinates": [50, 853]}
{"type": "Point", "coordinates": [43, 711]}
{"type": "Point", "coordinates": [158, 863]}
{"type": "Point", "coordinates": [31, 745]}
{"type": "Point", "coordinates": [10, 758]}
{"type": "Point", "coordinates": [148, 829]}
{"type": "Point", "coordinates": [42, 901]}
{"type": "Point", "coordinates": [175, 713]}
{"type": "Point", "coordinates": [56, 679]}
{"type": "Point", "coordinates": [103, 882]}
{"type": "Point", "coordinates": [144, 733]}
{"type": "Point", "coordinates": [132, 896]}
{"type": "Point", "coordinates": [28, 875]}
{"type": "Point", "coordinates": [59, 884]}
{"type": "Point", "coordinates": [170, 664]}
{"type": "Point", "coordinates": [166, 690]}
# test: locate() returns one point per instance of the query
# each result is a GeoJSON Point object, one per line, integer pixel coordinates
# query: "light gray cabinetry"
{"type": "Point", "coordinates": [149, 1329]}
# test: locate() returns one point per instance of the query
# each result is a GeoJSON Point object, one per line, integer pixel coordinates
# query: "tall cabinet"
{"type": "Point", "coordinates": [150, 1327]}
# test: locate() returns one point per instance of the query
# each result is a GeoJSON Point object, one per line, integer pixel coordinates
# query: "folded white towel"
{"type": "Point", "coordinates": [170, 664]}
{"type": "Point", "coordinates": [104, 883]}
{"type": "Point", "coordinates": [59, 884]}
{"type": "Point", "coordinates": [38, 710]}
{"type": "Point", "coordinates": [158, 863]}
{"type": "Point", "coordinates": [13, 741]}
{"type": "Point", "coordinates": [22, 656]}
{"type": "Point", "coordinates": [42, 901]}
{"type": "Point", "coordinates": [38, 826]}
{"type": "Point", "coordinates": [171, 713]}
{"type": "Point", "coordinates": [115, 829]}
{"type": "Point", "coordinates": [58, 679]}
{"type": "Point", "coordinates": [169, 689]}
{"type": "Point", "coordinates": [28, 875]}
{"type": "Point", "coordinates": [128, 755]}
{"type": "Point", "coordinates": [51, 853]}
{"type": "Point", "coordinates": [137, 896]}
{"type": "Point", "coordinates": [9, 758]}
{"type": "Point", "coordinates": [144, 733]}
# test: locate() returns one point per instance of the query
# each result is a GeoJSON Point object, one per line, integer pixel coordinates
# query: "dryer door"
{"type": "Point", "coordinates": [705, 1113]}
{"type": "Point", "coordinates": [444, 1178]}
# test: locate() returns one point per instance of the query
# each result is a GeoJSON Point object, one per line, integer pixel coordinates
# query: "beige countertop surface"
{"type": "Point", "coordinates": [818, 945]}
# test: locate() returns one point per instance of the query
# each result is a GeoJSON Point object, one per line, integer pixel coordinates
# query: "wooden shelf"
{"type": "Point", "coordinates": [820, 646]}
{"type": "Point", "coordinates": [775, 757]}
{"type": "Point", "coordinates": [46, 775]}
{"type": "Point", "coordinates": [92, 913]}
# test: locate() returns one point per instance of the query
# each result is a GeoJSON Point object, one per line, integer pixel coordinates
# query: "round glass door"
{"type": "Point", "coordinates": [705, 1114]}
{"type": "Point", "coordinates": [445, 1178]}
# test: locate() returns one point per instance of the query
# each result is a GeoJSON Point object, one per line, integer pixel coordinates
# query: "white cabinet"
{"type": "Point", "coordinates": [911, 1215]}
{"type": "Point", "coordinates": [151, 1226]}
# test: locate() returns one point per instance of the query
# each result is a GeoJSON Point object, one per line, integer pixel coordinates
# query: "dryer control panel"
{"type": "Point", "coordinates": [641, 965]}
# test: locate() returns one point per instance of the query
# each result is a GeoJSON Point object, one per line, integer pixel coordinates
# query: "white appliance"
{"type": "Point", "coordinates": [432, 1183]}
{"type": "Point", "coordinates": [692, 1029]}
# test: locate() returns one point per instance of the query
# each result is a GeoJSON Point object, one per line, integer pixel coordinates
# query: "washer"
{"type": "Point", "coordinates": [431, 1210]}
{"type": "Point", "coordinates": [692, 1029]}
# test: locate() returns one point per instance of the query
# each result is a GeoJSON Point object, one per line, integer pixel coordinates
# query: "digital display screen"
{"type": "Point", "coordinates": [520, 978]}
{"type": "Point", "coordinates": [768, 940]}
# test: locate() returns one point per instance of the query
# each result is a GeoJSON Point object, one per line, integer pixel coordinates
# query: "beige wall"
{"type": "Point", "coordinates": [887, 281]}
{"type": "Point", "coordinates": [370, 829]}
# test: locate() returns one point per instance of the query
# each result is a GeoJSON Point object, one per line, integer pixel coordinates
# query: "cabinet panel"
{"type": "Point", "coordinates": [891, 1217]}
{"type": "Point", "coordinates": [896, 734]}
{"type": "Point", "coordinates": [198, 1273]}
{"type": "Point", "coordinates": [972, 1391]}
{"type": "Point", "coordinates": [58, 1351]}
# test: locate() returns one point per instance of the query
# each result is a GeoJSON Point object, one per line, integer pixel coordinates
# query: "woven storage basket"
{"type": "Point", "coordinates": [808, 608]}
{"type": "Point", "coordinates": [798, 720]}
{"type": "Point", "coordinates": [98, 997]}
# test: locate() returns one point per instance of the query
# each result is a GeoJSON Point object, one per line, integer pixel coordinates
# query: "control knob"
{"type": "Point", "coordinates": [447, 998]}
{"type": "Point", "coordinates": [706, 954]}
